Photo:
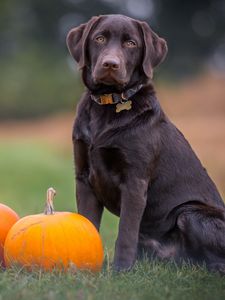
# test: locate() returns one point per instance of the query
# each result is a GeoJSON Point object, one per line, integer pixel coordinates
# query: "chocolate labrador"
{"type": "Point", "coordinates": [131, 159]}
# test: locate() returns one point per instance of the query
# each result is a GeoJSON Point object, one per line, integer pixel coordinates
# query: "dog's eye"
{"type": "Point", "coordinates": [130, 44]}
{"type": "Point", "coordinates": [100, 39]}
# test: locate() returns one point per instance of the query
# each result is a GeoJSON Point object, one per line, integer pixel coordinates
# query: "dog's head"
{"type": "Point", "coordinates": [115, 51]}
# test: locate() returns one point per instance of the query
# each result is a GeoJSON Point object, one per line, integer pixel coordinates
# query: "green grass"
{"type": "Point", "coordinates": [27, 170]}
{"type": "Point", "coordinates": [146, 281]}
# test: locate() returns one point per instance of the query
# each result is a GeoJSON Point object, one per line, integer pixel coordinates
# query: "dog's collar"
{"type": "Point", "coordinates": [122, 100]}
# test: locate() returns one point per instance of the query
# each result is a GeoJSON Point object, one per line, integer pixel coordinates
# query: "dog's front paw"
{"type": "Point", "coordinates": [122, 266]}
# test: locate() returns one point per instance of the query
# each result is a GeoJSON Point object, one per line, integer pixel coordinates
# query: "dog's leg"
{"type": "Point", "coordinates": [87, 203]}
{"type": "Point", "coordinates": [133, 202]}
{"type": "Point", "coordinates": [203, 230]}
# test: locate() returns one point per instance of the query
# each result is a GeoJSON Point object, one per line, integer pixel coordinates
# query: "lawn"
{"type": "Point", "coordinates": [28, 168]}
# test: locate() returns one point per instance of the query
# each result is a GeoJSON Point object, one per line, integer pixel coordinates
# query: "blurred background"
{"type": "Point", "coordinates": [40, 86]}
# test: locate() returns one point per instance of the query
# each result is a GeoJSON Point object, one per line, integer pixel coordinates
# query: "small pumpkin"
{"type": "Point", "coordinates": [7, 218]}
{"type": "Point", "coordinates": [54, 240]}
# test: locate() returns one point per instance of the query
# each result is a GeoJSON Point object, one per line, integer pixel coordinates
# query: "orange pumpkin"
{"type": "Point", "coordinates": [7, 218]}
{"type": "Point", "coordinates": [54, 240]}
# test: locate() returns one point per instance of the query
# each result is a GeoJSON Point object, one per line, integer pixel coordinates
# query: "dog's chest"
{"type": "Point", "coordinates": [105, 173]}
{"type": "Point", "coordinates": [107, 164]}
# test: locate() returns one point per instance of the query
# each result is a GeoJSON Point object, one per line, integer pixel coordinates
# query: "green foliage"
{"type": "Point", "coordinates": [35, 84]}
{"type": "Point", "coordinates": [35, 78]}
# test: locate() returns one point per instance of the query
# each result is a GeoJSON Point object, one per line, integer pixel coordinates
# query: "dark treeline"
{"type": "Point", "coordinates": [33, 55]}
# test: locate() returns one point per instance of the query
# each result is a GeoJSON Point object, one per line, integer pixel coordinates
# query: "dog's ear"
{"type": "Point", "coordinates": [77, 40]}
{"type": "Point", "coordinates": [155, 49]}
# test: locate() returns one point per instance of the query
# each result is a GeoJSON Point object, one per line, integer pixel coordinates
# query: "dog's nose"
{"type": "Point", "coordinates": [111, 63]}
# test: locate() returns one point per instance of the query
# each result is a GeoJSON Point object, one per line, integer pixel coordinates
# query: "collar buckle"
{"type": "Point", "coordinates": [123, 97]}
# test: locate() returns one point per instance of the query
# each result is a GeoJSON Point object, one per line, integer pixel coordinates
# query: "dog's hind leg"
{"type": "Point", "coordinates": [152, 248]}
{"type": "Point", "coordinates": [203, 235]}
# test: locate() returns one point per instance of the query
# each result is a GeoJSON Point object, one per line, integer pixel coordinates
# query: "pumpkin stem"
{"type": "Point", "coordinates": [49, 208]}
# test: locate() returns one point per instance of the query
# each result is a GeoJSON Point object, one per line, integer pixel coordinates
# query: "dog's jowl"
{"type": "Point", "coordinates": [129, 157]}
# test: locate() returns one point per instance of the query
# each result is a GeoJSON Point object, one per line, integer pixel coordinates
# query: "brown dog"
{"type": "Point", "coordinates": [131, 159]}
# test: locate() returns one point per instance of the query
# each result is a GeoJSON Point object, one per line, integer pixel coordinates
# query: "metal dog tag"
{"type": "Point", "coordinates": [123, 106]}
